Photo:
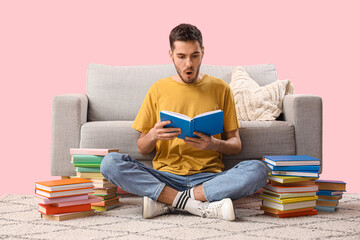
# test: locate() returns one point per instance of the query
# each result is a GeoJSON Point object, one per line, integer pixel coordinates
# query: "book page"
{"type": "Point", "coordinates": [178, 115]}
{"type": "Point", "coordinates": [207, 113]}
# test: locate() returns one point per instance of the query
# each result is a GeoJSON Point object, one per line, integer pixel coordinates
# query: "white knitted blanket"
{"type": "Point", "coordinates": [258, 103]}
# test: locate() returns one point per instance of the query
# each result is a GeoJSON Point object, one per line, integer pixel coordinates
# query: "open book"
{"type": "Point", "coordinates": [209, 123]}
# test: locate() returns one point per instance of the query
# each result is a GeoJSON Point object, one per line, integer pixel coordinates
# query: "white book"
{"type": "Point", "coordinates": [64, 193]}
{"type": "Point", "coordinates": [288, 206]}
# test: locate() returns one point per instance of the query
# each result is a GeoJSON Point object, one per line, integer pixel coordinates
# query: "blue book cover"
{"type": "Point", "coordinates": [294, 168]}
{"type": "Point", "coordinates": [291, 160]}
{"type": "Point", "coordinates": [329, 193]}
{"type": "Point", "coordinates": [209, 123]}
{"type": "Point", "coordinates": [325, 209]}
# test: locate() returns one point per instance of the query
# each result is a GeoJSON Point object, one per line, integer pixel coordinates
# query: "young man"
{"type": "Point", "coordinates": [188, 174]}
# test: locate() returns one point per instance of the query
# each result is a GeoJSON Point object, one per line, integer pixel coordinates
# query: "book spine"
{"type": "Point", "coordinates": [192, 127]}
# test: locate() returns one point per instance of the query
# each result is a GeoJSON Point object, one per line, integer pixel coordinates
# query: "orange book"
{"type": "Point", "coordinates": [50, 209]}
{"type": "Point", "coordinates": [106, 203]}
{"type": "Point", "coordinates": [294, 214]}
{"type": "Point", "coordinates": [63, 184]}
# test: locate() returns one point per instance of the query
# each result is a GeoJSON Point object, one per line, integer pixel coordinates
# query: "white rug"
{"type": "Point", "coordinates": [19, 219]}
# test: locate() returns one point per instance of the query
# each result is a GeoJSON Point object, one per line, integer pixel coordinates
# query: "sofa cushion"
{"type": "Point", "coordinates": [117, 92]}
{"type": "Point", "coordinates": [259, 138]}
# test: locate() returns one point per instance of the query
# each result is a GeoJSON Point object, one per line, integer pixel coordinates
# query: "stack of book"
{"type": "Point", "coordinates": [87, 165]}
{"type": "Point", "coordinates": [291, 190]}
{"type": "Point", "coordinates": [65, 199]}
{"type": "Point", "coordinates": [329, 194]}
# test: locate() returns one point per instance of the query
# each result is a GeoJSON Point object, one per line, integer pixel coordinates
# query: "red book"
{"type": "Point", "coordinates": [50, 209]}
{"type": "Point", "coordinates": [294, 214]}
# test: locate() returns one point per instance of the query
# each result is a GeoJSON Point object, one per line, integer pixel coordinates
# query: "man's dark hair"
{"type": "Point", "coordinates": [185, 32]}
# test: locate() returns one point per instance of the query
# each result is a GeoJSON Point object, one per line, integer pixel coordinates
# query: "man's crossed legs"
{"type": "Point", "coordinates": [203, 194]}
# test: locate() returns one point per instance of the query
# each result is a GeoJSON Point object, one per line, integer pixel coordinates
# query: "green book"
{"type": "Point", "coordinates": [87, 169]}
{"type": "Point", "coordinates": [87, 158]}
{"type": "Point", "coordinates": [87, 165]}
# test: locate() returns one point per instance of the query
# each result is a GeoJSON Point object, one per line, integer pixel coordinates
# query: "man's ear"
{"type": "Point", "coordinates": [170, 53]}
{"type": "Point", "coordinates": [203, 50]}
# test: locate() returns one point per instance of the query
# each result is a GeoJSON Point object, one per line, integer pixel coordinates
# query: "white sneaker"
{"type": "Point", "coordinates": [223, 209]}
{"type": "Point", "coordinates": [153, 208]}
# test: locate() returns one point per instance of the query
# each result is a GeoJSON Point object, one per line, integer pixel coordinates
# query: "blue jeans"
{"type": "Point", "coordinates": [134, 177]}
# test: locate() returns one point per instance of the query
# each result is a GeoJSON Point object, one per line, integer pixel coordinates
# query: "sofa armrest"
{"type": "Point", "coordinates": [305, 112]}
{"type": "Point", "coordinates": [69, 112]}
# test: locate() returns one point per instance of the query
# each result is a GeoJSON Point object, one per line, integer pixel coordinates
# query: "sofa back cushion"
{"type": "Point", "coordinates": [117, 92]}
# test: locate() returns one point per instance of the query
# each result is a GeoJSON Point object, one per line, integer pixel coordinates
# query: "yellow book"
{"type": "Point", "coordinates": [89, 175]}
{"type": "Point", "coordinates": [287, 200]}
{"type": "Point", "coordinates": [102, 209]}
{"type": "Point", "coordinates": [288, 179]}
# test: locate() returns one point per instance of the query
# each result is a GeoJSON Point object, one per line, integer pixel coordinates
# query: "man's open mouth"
{"type": "Point", "coordinates": [188, 73]}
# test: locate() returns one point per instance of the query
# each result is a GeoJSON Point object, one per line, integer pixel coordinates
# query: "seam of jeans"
{"type": "Point", "coordinates": [206, 193]}
{"type": "Point", "coordinates": [158, 191]}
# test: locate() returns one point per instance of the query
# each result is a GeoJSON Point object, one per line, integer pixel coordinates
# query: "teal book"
{"type": "Point", "coordinates": [294, 168]}
{"type": "Point", "coordinates": [292, 160]}
{"type": "Point", "coordinates": [86, 158]}
{"type": "Point", "coordinates": [87, 165]}
{"type": "Point", "coordinates": [325, 208]}
{"type": "Point", "coordinates": [87, 169]}
{"type": "Point", "coordinates": [209, 123]}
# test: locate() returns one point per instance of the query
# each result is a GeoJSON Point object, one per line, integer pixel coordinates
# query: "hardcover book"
{"type": "Point", "coordinates": [91, 151]}
{"type": "Point", "coordinates": [329, 193]}
{"type": "Point", "coordinates": [67, 216]}
{"type": "Point", "coordinates": [289, 179]}
{"type": "Point", "coordinates": [209, 123]}
{"type": "Point", "coordinates": [291, 160]}
{"type": "Point", "coordinates": [325, 208]}
{"type": "Point", "coordinates": [89, 175]}
{"type": "Point", "coordinates": [91, 199]}
{"type": "Point", "coordinates": [65, 193]}
{"type": "Point", "coordinates": [296, 174]}
{"type": "Point", "coordinates": [50, 209]}
{"type": "Point", "coordinates": [331, 185]}
{"type": "Point", "coordinates": [287, 200]}
{"type": "Point", "coordinates": [294, 168]}
{"type": "Point", "coordinates": [45, 200]}
{"type": "Point", "coordinates": [275, 211]}
{"type": "Point", "coordinates": [63, 184]}
{"type": "Point", "coordinates": [293, 214]}
{"type": "Point", "coordinates": [288, 206]}
{"type": "Point", "coordinates": [106, 203]}
{"type": "Point", "coordinates": [98, 208]}
{"type": "Point", "coordinates": [87, 169]}
{"type": "Point", "coordinates": [288, 195]}
{"type": "Point", "coordinates": [295, 189]}
{"type": "Point", "coordinates": [86, 159]}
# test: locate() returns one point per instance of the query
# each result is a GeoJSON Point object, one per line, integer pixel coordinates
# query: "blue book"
{"type": "Point", "coordinates": [325, 209]}
{"type": "Point", "coordinates": [312, 174]}
{"type": "Point", "coordinates": [329, 193]}
{"type": "Point", "coordinates": [291, 160]}
{"type": "Point", "coordinates": [294, 168]}
{"type": "Point", "coordinates": [209, 123]}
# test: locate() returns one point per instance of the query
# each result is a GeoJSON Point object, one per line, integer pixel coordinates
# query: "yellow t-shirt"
{"type": "Point", "coordinates": [208, 94]}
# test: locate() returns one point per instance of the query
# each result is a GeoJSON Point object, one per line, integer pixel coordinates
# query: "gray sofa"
{"type": "Point", "coordinates": [102, 117]}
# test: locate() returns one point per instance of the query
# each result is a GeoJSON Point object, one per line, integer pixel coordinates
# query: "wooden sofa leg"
{"type": "Point", "coordinates": [65, 177]}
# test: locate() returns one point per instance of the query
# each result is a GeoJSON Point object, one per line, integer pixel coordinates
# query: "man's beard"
{"type": "Point", "coordinates": [191, 80]}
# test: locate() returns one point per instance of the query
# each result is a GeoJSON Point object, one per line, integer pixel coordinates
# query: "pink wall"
{"type": "Point", "coordinates": [45, 48]}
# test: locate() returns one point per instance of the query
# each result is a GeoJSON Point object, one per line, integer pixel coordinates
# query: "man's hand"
{"type": "Point", "coordinates": [205, 142]}
{"type": "Point", "coordinates": [158, 132]}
